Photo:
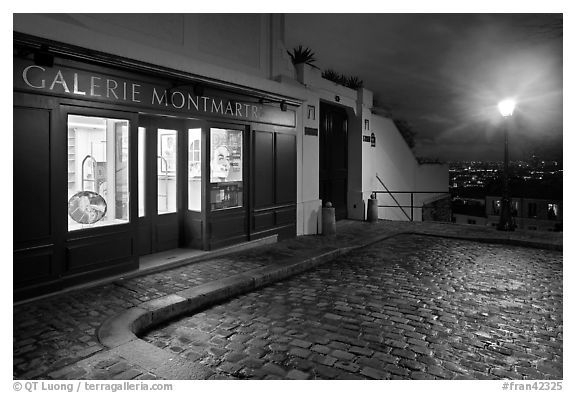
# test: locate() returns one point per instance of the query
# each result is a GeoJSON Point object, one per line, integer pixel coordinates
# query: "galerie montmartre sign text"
{"type": "Point", "coordinates": [81, 84]}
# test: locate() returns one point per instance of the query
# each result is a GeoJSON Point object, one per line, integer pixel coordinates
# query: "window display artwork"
{"type": "Point", "coordinates": [87, 207]}
{"type": "Point", "coordinates": [98, 187]}
{"type": "Point", "coordinates": [220, 165]}
{"type": "Point", "coordinates": [225, 169]}
{"type": "Point", "coordinates": [225, 155]}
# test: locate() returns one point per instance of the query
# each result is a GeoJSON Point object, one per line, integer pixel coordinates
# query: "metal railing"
{"type": "Point", "coordinates": [411, 206]}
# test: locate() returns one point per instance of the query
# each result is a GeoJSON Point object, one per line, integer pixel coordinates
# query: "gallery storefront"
{"type": "Point", "coordinates": [115, 159]}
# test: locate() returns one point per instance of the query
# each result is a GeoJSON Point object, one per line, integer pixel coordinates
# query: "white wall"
{"type": "Point", "coordinates": [391, 158]}
{"type": "Point", "coordinates": [399, 170]}
{"type": "Point", "coordinates": [309, 206]}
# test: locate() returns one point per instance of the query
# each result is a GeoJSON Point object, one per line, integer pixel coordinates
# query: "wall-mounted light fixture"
{"type": "Point", "coordinates": [283, 104]}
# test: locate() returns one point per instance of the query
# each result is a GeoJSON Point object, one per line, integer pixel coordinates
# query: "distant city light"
{"type": "Point", "coordinates": [506, 107]}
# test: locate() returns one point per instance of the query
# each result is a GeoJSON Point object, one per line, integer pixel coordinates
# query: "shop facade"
{"type": "Point", "coordinates": [135, 134]}
{"type": "Point", "coordinates": [112, 163]}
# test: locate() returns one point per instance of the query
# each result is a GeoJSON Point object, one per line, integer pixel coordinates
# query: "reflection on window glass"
{"type": "Point", "coordinates": [225, 169]}
{"type": "Point", "coordinates": [166, 171]}
{"type": "Point", "coordinates": [141, 171]}
{"type": "Point", "coordinates": [194, 170]}
{"type": "Point", "coordinates": [98, 190]}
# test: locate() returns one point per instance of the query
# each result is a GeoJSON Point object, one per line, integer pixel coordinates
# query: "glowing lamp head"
{"type": "Point", "coordinates": [506, 107]}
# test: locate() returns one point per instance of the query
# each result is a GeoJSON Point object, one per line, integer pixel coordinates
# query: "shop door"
{"type": "Point", "coordinates": [334, 158]}
{"type": "Point", "coordinates": [169, 184]}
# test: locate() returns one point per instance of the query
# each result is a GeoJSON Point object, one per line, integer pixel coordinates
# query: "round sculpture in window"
{"type": "Point", "coordinates": [87, 207]}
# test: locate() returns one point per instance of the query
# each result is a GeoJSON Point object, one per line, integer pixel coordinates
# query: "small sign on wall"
{"type": "Point", "coordinates": [311, 131]}
{"type": "Point", "coordinates": [371, 139]}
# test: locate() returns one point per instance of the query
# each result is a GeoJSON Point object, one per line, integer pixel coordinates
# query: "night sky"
{"type": "Point", "coordinates": [445, 73]}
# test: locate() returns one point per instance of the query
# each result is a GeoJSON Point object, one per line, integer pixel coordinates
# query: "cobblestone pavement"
{"type": "Point", "coordinates": [411, 307]}
{"type": "Point", "coordinates": [58, 331]}
{"type": "Point", "coordinates": [55, 337]}
{"type": "Point", "coordinates": [55, 332]}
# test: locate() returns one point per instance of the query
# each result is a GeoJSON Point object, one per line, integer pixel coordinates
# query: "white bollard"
{"type": "Point", "coordinates": [372, 214]}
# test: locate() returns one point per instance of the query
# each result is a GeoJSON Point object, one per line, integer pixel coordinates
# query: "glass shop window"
{"type": "Point", "coordinates": [226, 186]}
{"type": "Point", "coordinates": [166, 171]}
{"type": "Point", "coordinates": [141, 171]}
{"type": "Point", "coordinates": [98, 172]}
{"type": "Point", "coordinates": [194, 170]}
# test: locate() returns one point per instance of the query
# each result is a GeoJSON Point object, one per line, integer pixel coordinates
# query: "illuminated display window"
{"type": "Point", "coordinates": [98, 157]}
{"type": "Point", "coordinates": [225, 169]}
{"type": "Point", "coordinates": [141, 171]}
{"type": "Point", "coordinates": [194, 170]}
{"type": "Point", "coordinates": [166, 171]}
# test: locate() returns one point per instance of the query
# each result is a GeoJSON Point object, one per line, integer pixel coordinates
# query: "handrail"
{"type": "Point", "coordinates": [388, 191]}
{"type": "Point", "coordinates": [411, 206]}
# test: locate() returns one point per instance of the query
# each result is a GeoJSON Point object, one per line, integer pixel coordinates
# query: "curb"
{"type": "Point", "coordinates": [125, 327]}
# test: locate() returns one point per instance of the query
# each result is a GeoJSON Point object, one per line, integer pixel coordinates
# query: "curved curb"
{"type": "Point", "coordinates": [125, 326]}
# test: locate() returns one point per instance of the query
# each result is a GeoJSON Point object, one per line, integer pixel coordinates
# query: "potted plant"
{"type": "Point", "coordinates": [334, 76]}
{"type": "Point", "coordinates": [303, 59]}
{"type": "Point", "coordinates": [354, 83]}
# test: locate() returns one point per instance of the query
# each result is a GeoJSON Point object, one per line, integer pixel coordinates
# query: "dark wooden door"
{"type": "Point", "coordinates": [334, 158]}
{"type": "Point", "coordinates": [36, 253]}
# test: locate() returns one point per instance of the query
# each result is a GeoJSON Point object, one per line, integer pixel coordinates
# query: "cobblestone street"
{"type": "Point", "coordinates": [410, 307]}
{"type": "Point", "coordinates": [422, 302]}
{"type": "Point", "coordinates": [55, 332]}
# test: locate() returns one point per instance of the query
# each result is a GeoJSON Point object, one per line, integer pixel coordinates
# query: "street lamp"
{"type": "Point", "coordinates": [506, 108]}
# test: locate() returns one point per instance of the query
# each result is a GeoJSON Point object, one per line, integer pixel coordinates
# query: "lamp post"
{"type": "Point", "coordinates": [506, 223]}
